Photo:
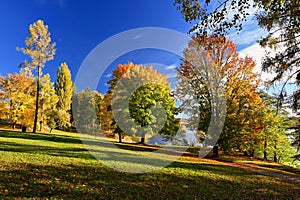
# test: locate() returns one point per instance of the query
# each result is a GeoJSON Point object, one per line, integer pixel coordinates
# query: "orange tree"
{"type": "Point", "coordinates": [214, 61]}
{"type": "Point", "coordinates": [18, 98]}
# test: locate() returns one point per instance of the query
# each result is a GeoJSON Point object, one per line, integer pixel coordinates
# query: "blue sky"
{"type": "Point", "coordinates": [79, 26]}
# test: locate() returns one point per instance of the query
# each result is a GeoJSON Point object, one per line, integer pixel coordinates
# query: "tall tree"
{"type": "Point", "coordinates": [280, 18]}
{"type": "Point", "coordinates": [64, 90]}
{"type": "Point", "coordinates": [211, 66]}
{"type": "Point", "coordinates": [48, 100]}
{"type": "Point", "coordinates": [40, 49]}
{"type": "Point", "coordinates": [106, 117]}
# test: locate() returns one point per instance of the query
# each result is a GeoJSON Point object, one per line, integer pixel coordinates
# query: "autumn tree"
{"type": "Point", "coordinates": [211, 66]}
{"type": "Point", "coordinates": [4, 106]}
{"type": "Point", "coordinates": [48, 100]}
{"type": "Point", "coordinates": [142, 102]}
{"type": "Point", "coordinates": [106, 117]}
{"type": "Point", "coordinates": [18, 98]}
{"type": "Point", "coordinates": [40, 49]}
{"type": "Point", "coordinates": [275, 138]}
{"type": "Point", "coordinates": [64, 90]}
{"type": "Point", "coordinates": [296, 139]}
{"type": "Point", "coordinates": [281, 19]}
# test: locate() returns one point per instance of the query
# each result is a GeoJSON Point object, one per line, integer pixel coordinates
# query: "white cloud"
{"type": "Point", "coordinates": [172, 75]}
{"type": "Point", "coordinates": [257, 53]}
{"type": "Point", "coordinates": [170, 67]}
{"type": "Point", "coordinates": [137, 37]}
{"type": "Point", "coordinates": [247, 37]}
{"type": "Point", "coordinates": [108, 75]}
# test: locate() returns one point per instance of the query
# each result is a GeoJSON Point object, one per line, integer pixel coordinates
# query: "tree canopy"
{"type": "Point", "coordinates": [211, 66]}
{"type": "Point", "coordinates": [40, 49]}
{"type": "Point", "coordinates": [141, 101]}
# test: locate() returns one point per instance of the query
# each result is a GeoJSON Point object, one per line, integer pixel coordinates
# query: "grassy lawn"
{"type": "Point", "coordinates": [277, 167]}
{"type": "Point", "coordinates": [58, 166]}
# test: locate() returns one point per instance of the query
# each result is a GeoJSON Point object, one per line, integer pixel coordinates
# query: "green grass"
{"type": "Point", "coordinates": [261, 163]}
{"type": "Point", "coordinates": [58, 166]}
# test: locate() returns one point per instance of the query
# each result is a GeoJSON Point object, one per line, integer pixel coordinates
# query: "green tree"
{"type": "Point", "coordinates": [296, 139]}
{"type": "Point", "coordinates": [151, 108]}
{"type": "Point", "coordinates": [86, 109]}
{"type": "Point", "coordinates": [40, 50]}
{"type": "Point", "coordinates": [275, 138]}
{"type": "Point", "coordinates": [64, 91]}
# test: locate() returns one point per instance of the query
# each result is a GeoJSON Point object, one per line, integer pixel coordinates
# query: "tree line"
{"type": "Point", "coordinates": [252, 123]}
{"type": "Point", "coordinates": [281, 21]}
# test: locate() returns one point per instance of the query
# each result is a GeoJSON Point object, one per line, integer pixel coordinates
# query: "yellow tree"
{"type": "Point", "coordinates": [3, 100]}
{"type": "Point", "coordinates": [18, 91]}
{"type": "Point", "coordinates": [40, 49]}
{"type": "Point", "coordinates": [64, 91]}
{"type": "Point", "coordinates": [48, 100]}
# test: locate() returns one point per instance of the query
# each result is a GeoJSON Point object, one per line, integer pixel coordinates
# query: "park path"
{"type": "Point", "coordinates": [263, 170]}
{"type": "Point", "coordinates": [278, 173]}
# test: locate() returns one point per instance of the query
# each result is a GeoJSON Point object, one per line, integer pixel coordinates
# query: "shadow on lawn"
{"type": "Point", "coordinates": [41, 136]}
{"type": "Point", "coordinates": [83, 180]}
{"type": "Point", "coordinates": [278, 167]}
{"type": "Point", "coordinates": [75, 140]}
{"type": "Point", "coordinates": [98, 182]}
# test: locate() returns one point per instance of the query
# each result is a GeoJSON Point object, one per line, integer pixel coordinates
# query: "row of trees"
{"type": "Point", "coordinates": [18, 99]}
{"type": "Point", "coordinates": [30, 97]}
{"type": "Point", "coordinates": [140, 99]}
{"type": "Point", "coordinates": [281, 19]}
{"type": "Point", "coordinates": [226, 86]}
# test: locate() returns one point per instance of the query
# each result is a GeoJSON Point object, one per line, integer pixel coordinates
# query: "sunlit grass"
{"type": "Point", "coordinates": [59, 166]}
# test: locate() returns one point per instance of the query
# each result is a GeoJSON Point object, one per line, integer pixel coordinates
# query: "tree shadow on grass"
{"type": "Point", "coordinates": [99, 182]}
{"type": "Point", "coordinates": [278, 167]}
{"type": "Point", "coordinates": [40, 136]}
{"type": "Point", "coordinates": [74, 140]}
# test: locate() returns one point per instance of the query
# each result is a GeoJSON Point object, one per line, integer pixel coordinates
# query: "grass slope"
{"type": "Point", "coordinates": [57, 166]}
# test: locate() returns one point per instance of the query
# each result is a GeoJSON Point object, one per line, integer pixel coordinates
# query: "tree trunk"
{"type": "Point", "coordinates": [120, 137]}
{"type": "Point", "coordinates": [13, 125]}
{"type": "Point", "coordinates": [275, 155]}
{"type": "Point", "coordinates": [41, 126]}
{"type": "Point", "coordinates": [252, 153]}
{"type": "Point", "coordinates": [265, 155]}
{"type": "Point", "coordinates": [215, 151]}
{"type": "Point", "coordinates": [36, 101]}
{"type": "Point", "coordinates": [143, 138]}
{"type": "Point", "coordinates": [24, 129]}
{"type": "Point", "coordinates": [265, 149]}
